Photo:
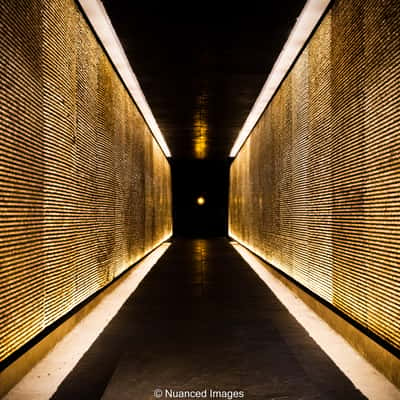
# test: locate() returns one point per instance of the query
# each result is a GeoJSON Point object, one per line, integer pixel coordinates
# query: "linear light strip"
{"type": "Point", "coordinates": [363, 375]}
{"type": "Point", "coordinates": [101, 23]}
{"type": "Point", "coordinates": [45, 377]}
{"type": "Point", "coordinates": [305, 24]}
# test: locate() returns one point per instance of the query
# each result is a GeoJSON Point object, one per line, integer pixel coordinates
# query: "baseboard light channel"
{"type": "Point", "coordinates": [365, 377]}
{"type": "Point", "coordinates": [44, 378]}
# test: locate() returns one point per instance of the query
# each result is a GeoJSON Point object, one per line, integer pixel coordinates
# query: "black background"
{"type": "Point", "coordinates": [194, 178]}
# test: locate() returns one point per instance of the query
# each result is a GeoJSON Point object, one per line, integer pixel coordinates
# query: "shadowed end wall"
{"type": "Point", "coordinates": [315, 189]}
{"type": "Point", "coordinates": [85, 189]}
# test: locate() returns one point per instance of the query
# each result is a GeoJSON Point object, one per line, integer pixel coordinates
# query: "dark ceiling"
{"type": "Point", "coordinates": [201, 71]}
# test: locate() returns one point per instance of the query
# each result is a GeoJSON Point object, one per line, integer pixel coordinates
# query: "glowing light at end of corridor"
{"type": "Point", "coordinates": [305, 24]}
{"type": "Point", "coordinates": [101, 24]}
{"type": "Point", "coordinates": [201, 200]}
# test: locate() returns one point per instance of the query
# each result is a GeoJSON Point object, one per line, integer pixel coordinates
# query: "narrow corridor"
{"type": "Point", "coordinates": [202, 319]}
{"type": "Point", "coordinates": [199, 205]}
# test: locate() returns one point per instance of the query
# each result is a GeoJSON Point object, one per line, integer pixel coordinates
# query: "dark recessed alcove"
{"type": "Point", "coordinates": [192, 179]}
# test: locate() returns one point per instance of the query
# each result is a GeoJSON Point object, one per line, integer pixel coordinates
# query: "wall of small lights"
{"type": "Point", "coordinates": [315, 189]}
{"type": "Point", "coordinates": [84, 188]}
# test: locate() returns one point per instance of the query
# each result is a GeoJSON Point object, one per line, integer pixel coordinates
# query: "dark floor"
{"type": "Point", "coordinates": [202, 319]}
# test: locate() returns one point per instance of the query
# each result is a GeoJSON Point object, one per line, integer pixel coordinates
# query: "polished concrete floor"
{"type": "Point", "coordinates": [203, 320]}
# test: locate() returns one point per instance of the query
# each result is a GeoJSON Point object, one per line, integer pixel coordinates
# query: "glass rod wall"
{"type": "Point", "coordinates": [315, 189]}
{"type": "Point", "coordinates": [85, 190]}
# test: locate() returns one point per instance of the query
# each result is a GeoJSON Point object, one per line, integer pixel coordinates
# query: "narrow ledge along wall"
{"type": "Point", "coordinates": [315, 189]}
{"type": "Point", "coordinates": [85, 188]}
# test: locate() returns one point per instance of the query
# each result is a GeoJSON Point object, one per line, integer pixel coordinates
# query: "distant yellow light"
{"type": "Point", "coordinates": [201, 200]}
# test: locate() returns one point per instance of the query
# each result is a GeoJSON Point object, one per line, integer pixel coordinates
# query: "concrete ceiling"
{"type": "Point", "coordinates": [201, 71]}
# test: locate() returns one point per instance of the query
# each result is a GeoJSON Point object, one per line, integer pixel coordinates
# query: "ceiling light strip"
{"type": "Point", "coordinates": [101, 24]}
{"type": "Point", "coordinates": [305, 24]}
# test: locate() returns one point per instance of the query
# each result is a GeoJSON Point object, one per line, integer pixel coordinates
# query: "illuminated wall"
{"type": "Point", "coordinates": [315, 189]}
{"type": "Point", "coordinates": [84, 187]}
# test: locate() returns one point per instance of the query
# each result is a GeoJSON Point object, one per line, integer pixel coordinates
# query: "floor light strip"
{"type": "Point", "coordinates": [305, 24]}
{"type": "Point", "coordinates": [101, 24]}
{"type": "Point", "coordinates": [363, 375]}
{"type": "Point", "coordinates": [43, 380]}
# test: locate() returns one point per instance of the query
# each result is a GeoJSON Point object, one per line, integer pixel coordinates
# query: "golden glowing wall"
{"type": "Point", "coordinates": [84, 187]}
{"type": "Point", "coordinates": [315, 189]}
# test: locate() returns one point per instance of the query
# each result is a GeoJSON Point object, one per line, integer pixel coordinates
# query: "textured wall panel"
{"type": "Point", "coordinates": [85, 189]}
{"type": "Point", "coordinates": [22, 169]}
{"type": "Point", "coordinates": [349, 167]}
{"type": "Point", "coordinates": [60, 192]}
{"type": "Point", "coordinates": [315, 189]}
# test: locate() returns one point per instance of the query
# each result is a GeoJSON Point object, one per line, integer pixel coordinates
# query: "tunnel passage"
{"type": "Point", "coordinates": [86, 186]}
